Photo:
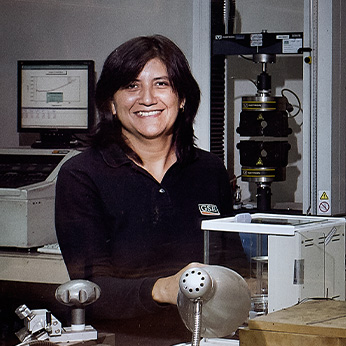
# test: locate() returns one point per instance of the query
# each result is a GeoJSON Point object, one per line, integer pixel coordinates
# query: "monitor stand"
{"type": "Point", "coordinates": [55, 140]}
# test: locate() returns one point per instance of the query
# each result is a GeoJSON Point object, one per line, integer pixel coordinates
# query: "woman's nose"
{"type": "Point", "coordinates": [147, 96]}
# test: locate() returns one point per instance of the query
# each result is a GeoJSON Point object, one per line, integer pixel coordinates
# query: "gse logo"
{"type": "Point", "coordinates": [208, 209]}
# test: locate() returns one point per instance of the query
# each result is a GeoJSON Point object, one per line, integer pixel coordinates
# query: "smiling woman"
{"type": "Point", "coordinates": [147, 110]}
{"type": "Point", "coordinates": [128, 209]}
{"type": "Point", "coordinates": [135, 59]}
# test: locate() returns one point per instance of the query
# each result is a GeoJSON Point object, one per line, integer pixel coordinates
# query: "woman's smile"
{"type": "Point", "coordinates": [148, 113]}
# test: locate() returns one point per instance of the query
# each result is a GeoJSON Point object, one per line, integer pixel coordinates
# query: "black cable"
{"type": "Point", "coordinates": [299, 103]}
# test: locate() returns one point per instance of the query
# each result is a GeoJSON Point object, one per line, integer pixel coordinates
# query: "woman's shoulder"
{"type": "Point", "coordinates": [82, 159]}
{"type": "Point", "coordinates": [207, 156]}
{"type": "Point", "coordinates": [94, 158]}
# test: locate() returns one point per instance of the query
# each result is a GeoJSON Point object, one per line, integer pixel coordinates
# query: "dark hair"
{"type": "Point", "coordinates": [123, 66]}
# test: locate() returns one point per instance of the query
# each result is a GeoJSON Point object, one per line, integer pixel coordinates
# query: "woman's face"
{"type": "Point", "coordinates": [148, 107]}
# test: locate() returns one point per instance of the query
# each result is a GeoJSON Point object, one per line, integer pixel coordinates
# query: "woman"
{"type": "Point", "coordinates": [128, 209]}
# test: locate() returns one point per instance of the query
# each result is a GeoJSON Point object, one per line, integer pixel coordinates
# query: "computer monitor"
{"type": "Point", "coordinates": [56, 100]}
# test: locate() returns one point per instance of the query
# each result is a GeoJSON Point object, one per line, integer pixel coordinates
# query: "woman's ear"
{"type": "Point", "coordinates": [182, 105]}
{"type": "Point", "coordinates": [114, 111]}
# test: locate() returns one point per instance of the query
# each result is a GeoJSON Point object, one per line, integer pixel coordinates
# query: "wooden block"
{"type": "Point", "coordinates": [268, 338]}
{"type": "Point", "coordinates": [315, 323]}
{"type": "Point", "coordinates": [317, 317]}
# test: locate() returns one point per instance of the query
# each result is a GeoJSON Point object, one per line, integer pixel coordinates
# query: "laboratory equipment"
{"type": "Point", "coordinates": [40, 325]}
{"type": "Point", "coordinates": [56, 100]}
{"type": "Point", "coordinates": [259, 301]}
{"type": "Point", "coordinates": [306, 254]}
{"type": "Point", "coordinates": [213, 301]}
{"type": "Point", "coordinates": [263, 115]}
{"type": "Point", "coordinates": [27, 195]}
{"type": "Point", "coordinates": [264, 118]}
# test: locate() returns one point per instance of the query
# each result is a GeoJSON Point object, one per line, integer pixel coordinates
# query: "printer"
{"type": "Point", "coordinates": [27, 195]}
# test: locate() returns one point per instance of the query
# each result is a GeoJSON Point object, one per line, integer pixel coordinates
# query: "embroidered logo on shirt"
{"type": "Point", "coordinates": [208, 209]}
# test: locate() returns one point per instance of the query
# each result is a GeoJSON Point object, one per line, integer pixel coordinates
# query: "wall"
{"type": "Point", "coordinates": [91, 29]}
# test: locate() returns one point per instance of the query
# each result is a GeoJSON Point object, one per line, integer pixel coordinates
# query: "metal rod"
{"type": "Point", "coordinates": [206, 247]}
{"type": "Point", "coordinates": [196, 335]}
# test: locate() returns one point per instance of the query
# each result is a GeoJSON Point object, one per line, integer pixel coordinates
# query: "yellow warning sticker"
{"type": "Point", "coordinates": [324, 196]}
{"type": "Point", "coordinates": [259, 162]}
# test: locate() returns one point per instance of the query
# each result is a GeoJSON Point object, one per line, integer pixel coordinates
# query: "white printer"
{"type": "Point", "coordinates": [27, 194]}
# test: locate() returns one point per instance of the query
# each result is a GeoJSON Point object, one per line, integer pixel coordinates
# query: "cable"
{"type": "Point", "coordinates": [316, 298]}
{"type": "Point", "coordinates": [235, 178]}
{"type": "Point", "coordinates": [297, 98]}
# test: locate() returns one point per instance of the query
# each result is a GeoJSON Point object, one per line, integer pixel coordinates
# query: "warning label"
{"type": "Point", "coordinates": [259, 162]}
{"type": "Point", "coordinates": [323, 207]}
{"type": "Point", "coordinates": [324, 195]}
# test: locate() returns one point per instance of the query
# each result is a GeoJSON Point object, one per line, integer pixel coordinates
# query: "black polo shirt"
{"type": "Point", "coordinates": [119, 227]}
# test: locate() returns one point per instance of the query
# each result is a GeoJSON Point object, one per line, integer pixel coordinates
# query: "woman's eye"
{"type": "Point", "coordinates": [132, 86]}
{"type": "Point", "coordinates": [162, 83]}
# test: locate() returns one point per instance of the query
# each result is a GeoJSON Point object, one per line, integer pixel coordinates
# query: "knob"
{"type": "Point", "coordinates": [78, 294]}
{"type": "Point", "coordinates": [24, 312]}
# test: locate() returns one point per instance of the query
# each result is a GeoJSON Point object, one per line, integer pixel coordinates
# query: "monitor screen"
{"type": "Point", "coordinates": [55, 99]}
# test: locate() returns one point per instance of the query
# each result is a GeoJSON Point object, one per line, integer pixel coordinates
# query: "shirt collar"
{"type": "Point", "coordinates": [114, 156]}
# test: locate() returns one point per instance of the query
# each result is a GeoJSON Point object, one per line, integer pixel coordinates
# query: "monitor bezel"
{"type": "Point", "coordinates": [90, 64]}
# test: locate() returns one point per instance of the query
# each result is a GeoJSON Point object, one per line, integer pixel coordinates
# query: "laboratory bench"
{"type": "Point", "coordinates": [31, 278]}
